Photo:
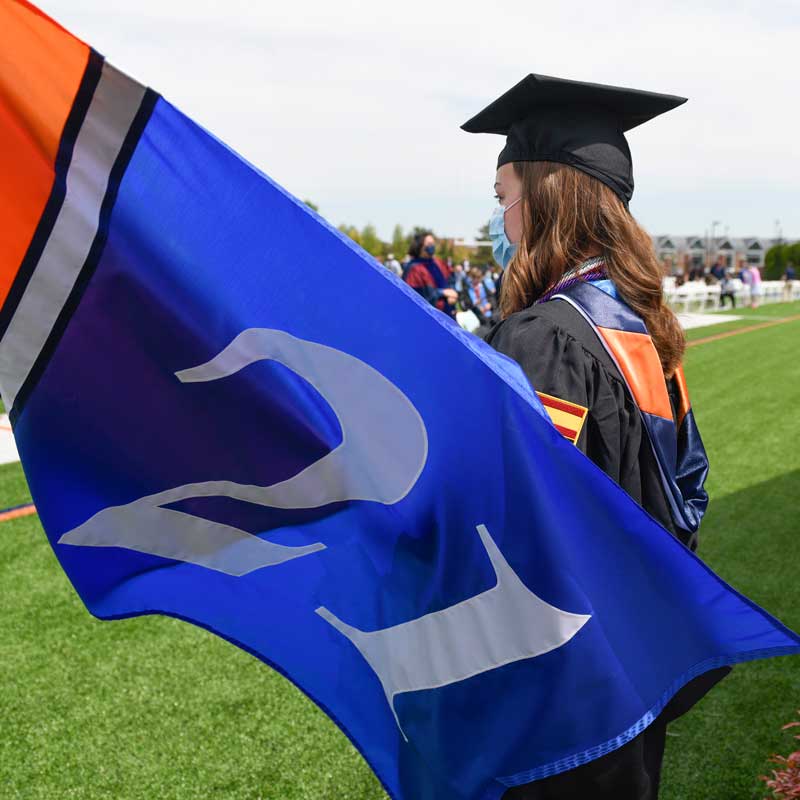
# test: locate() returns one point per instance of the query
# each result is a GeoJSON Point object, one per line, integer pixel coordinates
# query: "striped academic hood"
{"type": "Point", "coordinates": [675, 439]}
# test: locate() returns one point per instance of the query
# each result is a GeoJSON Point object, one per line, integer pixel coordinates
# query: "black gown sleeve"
{"type": "Point", "coordinates": [556, 363]}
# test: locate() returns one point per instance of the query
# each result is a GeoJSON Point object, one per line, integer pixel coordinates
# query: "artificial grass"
{"type": "Point", "coordinates": [765, 310]}
{"type": "Point", "coordinates": [144, 709]}
{"type": "Point", "coordinates": [154, 708]}
{"type": "Point", "coordinates": [745, 396]}
{"type": "Point", "coordinates": [749, 317]}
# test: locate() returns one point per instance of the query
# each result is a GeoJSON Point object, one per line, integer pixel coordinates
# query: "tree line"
{"type": "Point", "coordinates": [367, 237]}
{"type": "Point", "coordinates": [778, 257]}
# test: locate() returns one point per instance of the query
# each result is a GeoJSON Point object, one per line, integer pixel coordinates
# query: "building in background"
{"type": "Point", "coordinates": [680, 254]}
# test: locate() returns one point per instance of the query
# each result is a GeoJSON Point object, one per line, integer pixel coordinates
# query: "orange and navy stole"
{"type": "Point", "coordinates": [675, 440]}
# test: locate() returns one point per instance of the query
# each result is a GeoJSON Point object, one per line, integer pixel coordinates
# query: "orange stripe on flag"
{"type": "Point", "coordinates": [41, 66]}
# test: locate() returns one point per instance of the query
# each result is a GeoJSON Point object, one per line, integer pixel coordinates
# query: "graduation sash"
{"type": "Point", "coordinates": [675, 440]}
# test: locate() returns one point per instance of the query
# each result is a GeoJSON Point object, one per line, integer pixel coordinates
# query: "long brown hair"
{"type": "Point", "coordinates": [569, 216]}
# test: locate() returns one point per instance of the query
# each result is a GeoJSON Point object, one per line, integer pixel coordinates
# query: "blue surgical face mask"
{"type": "Point", "coordinates": [502, 249]}
{"type": "Point", "coordinates": [430, 250]}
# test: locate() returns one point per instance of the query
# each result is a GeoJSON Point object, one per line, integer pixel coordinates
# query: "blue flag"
{"type": "Point", "coordinates": [228, 413]}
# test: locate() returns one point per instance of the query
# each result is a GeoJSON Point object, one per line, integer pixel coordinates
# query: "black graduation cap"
{"type": "Point", "coordinates": [572, 122]}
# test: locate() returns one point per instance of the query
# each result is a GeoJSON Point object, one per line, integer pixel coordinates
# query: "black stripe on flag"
{"type": "Point", "coordinates": [98, 244]}
{"type": "Point", "coordinates": [91, 77]}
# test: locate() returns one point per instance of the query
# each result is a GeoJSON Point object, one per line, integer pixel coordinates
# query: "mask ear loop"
{"type": "Point", "coordinates": [511, 205]}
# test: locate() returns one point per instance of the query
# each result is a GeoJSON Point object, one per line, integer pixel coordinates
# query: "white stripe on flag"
{"type": "Point", "coordinates": [108, 120]}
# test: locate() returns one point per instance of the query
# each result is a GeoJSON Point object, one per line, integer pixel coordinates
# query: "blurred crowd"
{"type": "Point", "coordinates": [467, 292]}
{"type": "Point", "coordinates": [730, 279]}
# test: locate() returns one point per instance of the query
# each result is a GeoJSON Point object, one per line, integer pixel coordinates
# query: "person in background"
{"type": "Point", "coordinates": [788, 282]}
{"type": "Point", "coordinates": [460, 272]}
{"type": "Point", "coordinates": [478, 292]}
{"type": "Point", "coordinates": [746, 277]}
{"type": "Point", "coordinates": [726, 290]}
{"type": "Point", "coordinates": [755, 286]}
{"type": "Point", "coordinates": [429, 276]}
{"type": "Point", "coordinates": [490, 284]}
{"type": "Point", "coordinates": [718, 270]}
{"type": "Point", "coordinates": [393, 265]}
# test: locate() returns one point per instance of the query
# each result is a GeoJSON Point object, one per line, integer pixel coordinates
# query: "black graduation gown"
{"type": "Point", "coordinates": [562, 356]}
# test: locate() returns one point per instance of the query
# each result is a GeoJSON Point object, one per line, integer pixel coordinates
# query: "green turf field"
{"type": "Point", "coordinates": [746, 395]}
{"type": "Point", "coordinates": [750, 316]}
{"type": "Point", "coordinates": [154, 708]}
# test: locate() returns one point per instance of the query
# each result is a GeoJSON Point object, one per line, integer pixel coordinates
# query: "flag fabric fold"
{"type": "Point", "coordinates": [228, 413]}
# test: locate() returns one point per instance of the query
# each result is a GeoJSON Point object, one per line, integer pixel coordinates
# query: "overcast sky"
{"type": "Point", "coordinates": [357, 105]}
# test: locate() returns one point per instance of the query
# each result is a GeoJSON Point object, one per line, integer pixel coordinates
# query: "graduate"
{"type": "Point", "coordinates": [430, 276]}
{"type": "Point", "coordinates": [584, 315]}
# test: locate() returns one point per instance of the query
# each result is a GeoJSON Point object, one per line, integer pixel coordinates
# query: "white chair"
{"type": "Point", "coordinates": [772, 291]}
{"type": "Point", "coordinates": [682, 297]}
{"type": "Point", "coordinates": [712, 296]}
{"type": "Point", "coordinates": [741, 291]}
{"type": "Point", "coordinates": [699, 295]}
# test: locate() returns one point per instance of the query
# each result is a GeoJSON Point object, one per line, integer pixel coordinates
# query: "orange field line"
{"type": "Point", "coordinates": [20, 511]}
{"type": "Point", "coordinates": [742, 330]}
